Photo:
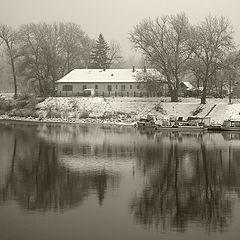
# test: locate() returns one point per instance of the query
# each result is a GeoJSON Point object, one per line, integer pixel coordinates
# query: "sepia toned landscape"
{"type": "Point", "coordinates": [119, 120]}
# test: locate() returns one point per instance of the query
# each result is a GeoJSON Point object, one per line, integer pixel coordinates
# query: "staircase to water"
{"type": "Point", "coordinates": [210, 110]}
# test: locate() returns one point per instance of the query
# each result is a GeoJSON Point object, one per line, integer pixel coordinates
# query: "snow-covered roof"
{"type": "Point", "coordinates": [188, 85]}
{"type": "Point", "coordinates": [99, 75]}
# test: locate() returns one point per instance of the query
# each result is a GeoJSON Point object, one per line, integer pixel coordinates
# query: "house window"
{"type": "Point", "coordinates": [138, 86]}
{"type": "Point", "coordinates": [122, 87]}
{"type": "Point", "coordinates": [67, 88]}
{"type": "Point", "coordinates": [96, 86]}
{"type": "Point", "coordinates": [116, 86]}
{"type": "Point", "coordinates": [109, 88]}
{"type": "Point", "coordinates": [130, 86]}
{"type": "Point", "coordinates": [84, 87]}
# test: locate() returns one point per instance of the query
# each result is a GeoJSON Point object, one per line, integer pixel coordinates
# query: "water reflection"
{"type": "Point", "coordinates": [188, 180]}
{"type": "Point", "coordinates": [36, 179]}
{"type": "Point", "coordinates": [168, 180]}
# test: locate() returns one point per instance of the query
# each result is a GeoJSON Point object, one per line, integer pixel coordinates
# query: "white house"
{"type": "Point", "coordinates": [109, 82]}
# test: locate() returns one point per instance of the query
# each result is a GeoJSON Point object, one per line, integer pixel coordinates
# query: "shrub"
{"type": "Point", "coordinates": [123, 115]}
{"type": "Point", "coordinates": [40, 99]}
{"type": "Point", "coordinates": [158, 107]}
{"type": "Point", "coordinates": [21, 103]}
{"type": "Point", "coordinates": [107, 115]}
{"type": "Point", "coordinates": [23, 113]}
{"type": "Point", "coordinates": [24, 96]}
{"type": "Point", "coordinates": [32, 102]}
{"type": "Point", "coordinates": [84, 114]}
{"type": "Point", "coordinates": [2, 112]}
{"type": "Point", "coordinates": [6, 105]}
{"type": "Point", "coordinates": [53, 114]}
{"type": "Point", "coordinates": [74, 104]}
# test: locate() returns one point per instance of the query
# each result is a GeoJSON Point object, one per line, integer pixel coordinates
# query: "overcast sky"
{"type": "Point", "coordinates": [114, 18]}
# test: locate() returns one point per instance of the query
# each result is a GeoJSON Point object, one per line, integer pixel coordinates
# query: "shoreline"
{"type": "Point", "coordinates": [85, 122]}
{"type": "Point", "coordinates": [113, 111]}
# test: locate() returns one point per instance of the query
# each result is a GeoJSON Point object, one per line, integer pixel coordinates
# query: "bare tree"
{"type": "Point", "coordinates": [164, 42]}
{"type": "Point", "coordinates": [115, 55]}
{"type": "Point", "coordinates": [212, 39]}
{"type": "Point", "coordinates": [76, 47]}
{"type": "Point", "coordinates": [49, 51]}
{"type": "Point", "coordinates": [231, 72]}
{"type": "Point", "coordinates": [35, 64]}
{"type": "Point", "coordinates": [10, 38]}
{"type": "Point", "coordinates": [152, 81]}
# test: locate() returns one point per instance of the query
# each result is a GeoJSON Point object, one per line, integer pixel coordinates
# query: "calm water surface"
{"type": "Point", "coordinates": [70, 182]}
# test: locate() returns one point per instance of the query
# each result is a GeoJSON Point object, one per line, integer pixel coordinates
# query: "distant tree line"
{"type": "Point", "coordinates": [175, 48]}
{"type": "Point", "coordinates": [40, 54]}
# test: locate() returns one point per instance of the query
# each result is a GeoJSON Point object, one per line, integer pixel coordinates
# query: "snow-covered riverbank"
{"type": "Point", "coordinates": [125, 111]}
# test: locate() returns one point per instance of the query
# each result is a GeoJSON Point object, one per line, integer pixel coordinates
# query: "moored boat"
{"type": "Point", "coordinates": [231, 125]}
{"type": "Point", "coordinates": [215, 127]}
{"type": "Point", "coordinates": [147, 122]}
{"type": "Point", "coordinates": [179, 128]}
{"type": "Point", "coordinates": [193, 123]}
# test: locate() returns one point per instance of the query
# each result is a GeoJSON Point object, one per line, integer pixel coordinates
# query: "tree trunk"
{"type": "Point", "coordinates": [174, 95]}
{"type": "Point", "coordinates": [68, 63]}
{"type": "Point", "coordinates": [204, 94]}
{"type": "Point", "coordinates": [14, 76]}
{"type": "Point", "coordinates": [221, 89]}
{"type": "Point", "coordinates": [230, 92]}
{"type": "Point", "coordinates": [40, 87]}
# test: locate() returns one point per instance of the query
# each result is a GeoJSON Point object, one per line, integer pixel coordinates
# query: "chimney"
{"type": "Point", "coordinates": [133, 68]}
{"type": "Point", "coordinates": [145, 69]}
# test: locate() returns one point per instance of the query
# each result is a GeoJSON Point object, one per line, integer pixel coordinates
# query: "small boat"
{"type": "Point", "coordinates": [147, 122]}
{"type": "Point", "coordinates": [215, 127]}
{"type": "Point", "coordinates": [192, 123]}
{"type": "Point", "coordinates": [231, 125]}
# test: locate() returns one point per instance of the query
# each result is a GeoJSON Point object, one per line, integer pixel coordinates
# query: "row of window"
{"type": "Point", "coordinates": [67, 88]}
{"type": "Point", "coordinates": [109, 87]}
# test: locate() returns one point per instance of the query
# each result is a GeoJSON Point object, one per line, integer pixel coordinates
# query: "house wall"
{"type": "Point", "coordinates": [182, 90]}
{"type": "Point", "coordinates": [102, 89]}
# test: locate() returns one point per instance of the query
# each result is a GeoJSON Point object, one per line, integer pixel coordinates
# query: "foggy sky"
{"type": "Point", "coordinates": [114, 18]}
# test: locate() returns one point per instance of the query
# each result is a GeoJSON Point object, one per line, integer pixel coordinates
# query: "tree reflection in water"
{"type": "Point", "coordinates": [186, 185]}
{"type": "Point", "coordinates": [37, 181]}
{"type": "Point", "coordinates": [187, 178]}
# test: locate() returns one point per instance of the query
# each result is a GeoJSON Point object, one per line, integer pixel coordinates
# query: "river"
{"type": "Point", "coordinates": [63, 182]}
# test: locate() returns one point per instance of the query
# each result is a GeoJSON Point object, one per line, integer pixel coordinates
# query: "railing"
{"type": "Point", "coordinates": [109, 94]}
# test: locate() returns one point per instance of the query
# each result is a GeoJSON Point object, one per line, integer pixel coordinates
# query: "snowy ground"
{"type": "Point", "coordinates": [131, 109]}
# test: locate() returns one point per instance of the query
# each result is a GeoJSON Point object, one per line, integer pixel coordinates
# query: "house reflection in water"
{"type": "Point", "coordinates": [38, 181]}
{"type": "Point", "coordinates": [176, 179]}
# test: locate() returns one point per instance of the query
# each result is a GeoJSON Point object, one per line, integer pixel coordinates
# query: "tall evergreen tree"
{"type": "Point", "coordinates": [99, 56]}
